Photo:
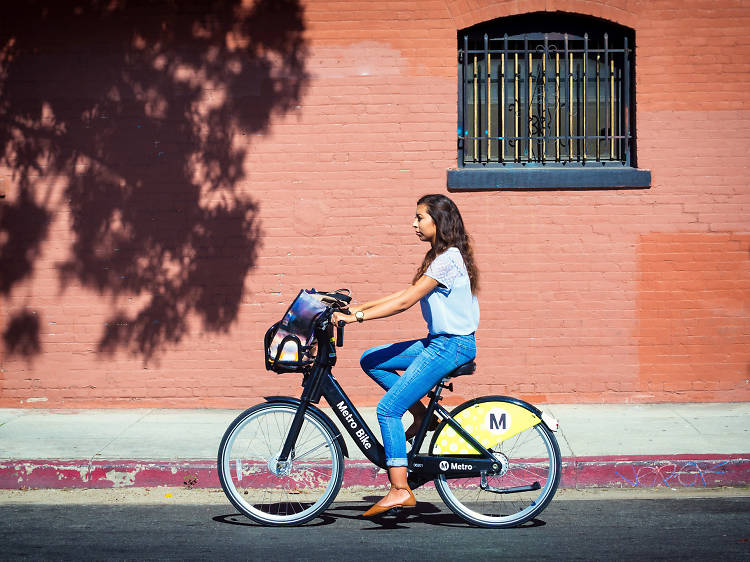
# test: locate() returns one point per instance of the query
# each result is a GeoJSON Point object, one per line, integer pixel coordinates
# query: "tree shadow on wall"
{"type": "Point", "coordinates": [134, 110]}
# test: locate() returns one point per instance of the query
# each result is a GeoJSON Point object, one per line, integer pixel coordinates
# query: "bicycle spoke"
{"type": "Point", "coordinates": [280, 493]}
{"type": "Point", "coordinates": [303, 455]}
{"type": "Point", "coordinates": [532, 474]}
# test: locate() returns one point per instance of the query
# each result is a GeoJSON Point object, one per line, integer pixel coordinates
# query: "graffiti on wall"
{"type": "Point", "coordinates": [670, 474]}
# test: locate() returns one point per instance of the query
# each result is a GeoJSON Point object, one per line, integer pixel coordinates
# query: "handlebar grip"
{"type": "Point", "coordinates": [340, 333]}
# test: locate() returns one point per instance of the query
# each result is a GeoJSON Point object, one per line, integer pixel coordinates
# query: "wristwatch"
{"type": "Point", "coordinates": [360, 316]}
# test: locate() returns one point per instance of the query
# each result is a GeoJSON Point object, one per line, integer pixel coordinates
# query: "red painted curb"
{"type": "Point", "coordinates": [106, 474]}
{"type": "Point", "coordinates": [673, 471]}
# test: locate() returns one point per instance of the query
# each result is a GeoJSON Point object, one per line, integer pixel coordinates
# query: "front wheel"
{"type": "Point", "coordinates": [531, 463]}
{"type": "Point", "coordinates": [272, 493]}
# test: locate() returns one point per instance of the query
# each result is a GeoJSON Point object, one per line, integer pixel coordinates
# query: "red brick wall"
{"type": "Point", "coordinates": [138, 287]}
{"type": "Point", "coordinates": [693, 313]}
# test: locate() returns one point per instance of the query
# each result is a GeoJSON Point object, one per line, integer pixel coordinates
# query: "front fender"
{"type": "Point", "coordinates": [317, 411]}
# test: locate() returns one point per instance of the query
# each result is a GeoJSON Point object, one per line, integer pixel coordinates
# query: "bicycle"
{"type": "Point", "coordinates": [494, 460]}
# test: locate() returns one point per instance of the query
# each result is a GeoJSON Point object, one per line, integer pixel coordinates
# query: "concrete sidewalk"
{"type": "Point", "coordinates": [603, 445]}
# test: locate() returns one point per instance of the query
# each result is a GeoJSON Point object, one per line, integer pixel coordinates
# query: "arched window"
{"type": "Point", "coordinates": [548, 91]}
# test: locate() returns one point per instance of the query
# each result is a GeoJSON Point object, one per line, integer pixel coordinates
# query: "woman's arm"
{"type": "Point", "coordinates": [370, 304]}
{"type": "Point", "coordinates": [393, 304]}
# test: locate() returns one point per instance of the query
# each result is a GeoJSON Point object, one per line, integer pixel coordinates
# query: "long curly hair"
{"type": "Point", "coordinates": [450, 232]}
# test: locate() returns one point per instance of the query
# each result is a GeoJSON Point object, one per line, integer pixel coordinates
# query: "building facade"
{"type": "Point", "coordinates": [173, 176]}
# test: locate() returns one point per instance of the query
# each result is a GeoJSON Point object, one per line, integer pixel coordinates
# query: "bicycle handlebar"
{"type": "Point", "coordinates": [336, 302]}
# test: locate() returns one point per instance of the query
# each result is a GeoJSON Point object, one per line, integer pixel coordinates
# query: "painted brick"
{"type": "Point", "coordinates": [613, 296]}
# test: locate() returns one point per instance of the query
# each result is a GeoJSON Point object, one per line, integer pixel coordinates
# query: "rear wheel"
{"type": "Point", "coordinates": [273, 493]}
{"type": "Point", "coordinates": [526, 483]}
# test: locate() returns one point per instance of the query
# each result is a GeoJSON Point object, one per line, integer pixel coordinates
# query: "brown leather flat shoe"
{"type": "Point", "coordinates": [376, 509]}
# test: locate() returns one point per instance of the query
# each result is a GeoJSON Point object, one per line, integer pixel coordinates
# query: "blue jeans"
{"type": "Point", "coordinates": [424, 363]}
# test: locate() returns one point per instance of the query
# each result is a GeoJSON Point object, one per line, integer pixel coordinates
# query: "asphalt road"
{"type": "Point", "coordinates": [704, 528]}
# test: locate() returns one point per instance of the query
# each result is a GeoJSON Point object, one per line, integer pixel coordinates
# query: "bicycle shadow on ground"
{"type": "Point", "coordinates": [424, 513]}
{"type": "Point", "coordinates": [242, 521]}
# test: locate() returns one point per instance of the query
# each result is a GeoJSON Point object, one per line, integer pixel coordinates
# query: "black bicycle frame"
{"type": "Point", "coordinates": [320, 382]}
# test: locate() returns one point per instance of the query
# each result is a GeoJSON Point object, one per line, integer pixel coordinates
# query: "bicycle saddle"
{"type": "Point", "coordinates": [465, 369]}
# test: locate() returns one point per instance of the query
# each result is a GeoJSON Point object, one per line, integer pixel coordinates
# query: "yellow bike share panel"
{"type": "Point", "coordinates": [489, 423]}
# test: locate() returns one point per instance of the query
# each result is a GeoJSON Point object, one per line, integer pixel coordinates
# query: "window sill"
{"type": "Point", "coordinates": [477, 179]}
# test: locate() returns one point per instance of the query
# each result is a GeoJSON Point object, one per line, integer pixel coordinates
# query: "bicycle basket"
{"type": "Point", "coordinates": [288, 342]}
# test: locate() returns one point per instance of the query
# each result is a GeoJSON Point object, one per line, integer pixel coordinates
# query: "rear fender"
{"type": "Point", "coordinates": [490, 420]}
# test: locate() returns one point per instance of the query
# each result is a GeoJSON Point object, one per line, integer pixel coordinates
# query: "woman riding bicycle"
{"type": "Point", "coordinates": [445, 285]}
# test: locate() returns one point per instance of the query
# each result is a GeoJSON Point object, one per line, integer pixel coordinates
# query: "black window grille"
{"type": "Point", "coordinates": [545, 96]}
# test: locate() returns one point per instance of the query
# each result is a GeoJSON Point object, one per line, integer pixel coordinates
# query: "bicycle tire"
{"type": "Point", "coordinates": [251, 479]}
{"type": "Point", "coordinates": [533, 455]}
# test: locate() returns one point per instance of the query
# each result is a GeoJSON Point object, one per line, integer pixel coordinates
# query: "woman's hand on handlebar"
{"type": "Point", "coordinates": [347, 318]}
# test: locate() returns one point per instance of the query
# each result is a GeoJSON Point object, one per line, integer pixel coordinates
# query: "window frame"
{"type": "Point", "coordinates": [535, 170]}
